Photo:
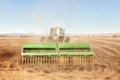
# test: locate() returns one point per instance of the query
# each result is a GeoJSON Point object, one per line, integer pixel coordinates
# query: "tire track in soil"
{"type": "Point", "coordinates": [112, 61]}
{"type": "Point", "coordinates": [109, 39]}
{"type": "Point", "coordinates": [109, 59]}
{"type": "Point", "coordinates": [113, 48]}
{"type": "Point", "coordinates": [101, 60]}
{"type": "Point", "coordinates": [110, 43]}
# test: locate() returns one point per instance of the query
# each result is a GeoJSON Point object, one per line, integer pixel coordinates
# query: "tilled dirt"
{"type": "Point", "coordinates": [106, 64]}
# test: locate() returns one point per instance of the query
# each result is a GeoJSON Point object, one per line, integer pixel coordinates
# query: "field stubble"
{"type": "Point", "coordinates": [106, 65]}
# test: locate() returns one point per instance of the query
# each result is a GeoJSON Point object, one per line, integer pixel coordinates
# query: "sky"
{"type": "Point", "coordinates": [76, 16]}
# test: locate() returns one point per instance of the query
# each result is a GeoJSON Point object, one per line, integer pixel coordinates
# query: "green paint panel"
{"type": "Point", "coordinates": [39, 45]}
{"type": "Point", "coordinates": [39, 54]}
{"type": "Point", "coordinates": [74, 45]}
{"type": "Point", "coordinates": [48, 52]}
{"type": "Point", "coordinates": [77, 53]}
{"type": "Point", "coordinates": [39, 51]}
{"type": "Point", "coordinates": [60, 54]}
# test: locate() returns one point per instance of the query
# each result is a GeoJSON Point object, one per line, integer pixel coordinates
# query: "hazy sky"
{"type": "Point", "coordinates": [76, 16]}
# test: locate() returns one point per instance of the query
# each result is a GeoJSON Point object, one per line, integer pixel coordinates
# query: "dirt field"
{"type": "Point", "coordinates": [106, 65]}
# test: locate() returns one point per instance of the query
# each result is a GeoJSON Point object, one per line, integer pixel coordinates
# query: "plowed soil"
{"type": "Point", "coordinates": [106, 64]}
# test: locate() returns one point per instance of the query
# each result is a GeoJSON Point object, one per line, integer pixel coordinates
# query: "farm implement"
{"type": "Point", "coordinates": [59, 51]}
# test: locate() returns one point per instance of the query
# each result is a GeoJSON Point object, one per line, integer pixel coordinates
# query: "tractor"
{"type": "Point", "coordinates": [59, 50]}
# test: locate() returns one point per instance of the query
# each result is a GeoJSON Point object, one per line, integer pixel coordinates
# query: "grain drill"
{"type": "Point", "coordinates": [59, 50]}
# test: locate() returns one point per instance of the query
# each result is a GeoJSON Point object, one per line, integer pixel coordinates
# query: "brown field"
{"type": "Point", "coordinates": [106, 64]}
